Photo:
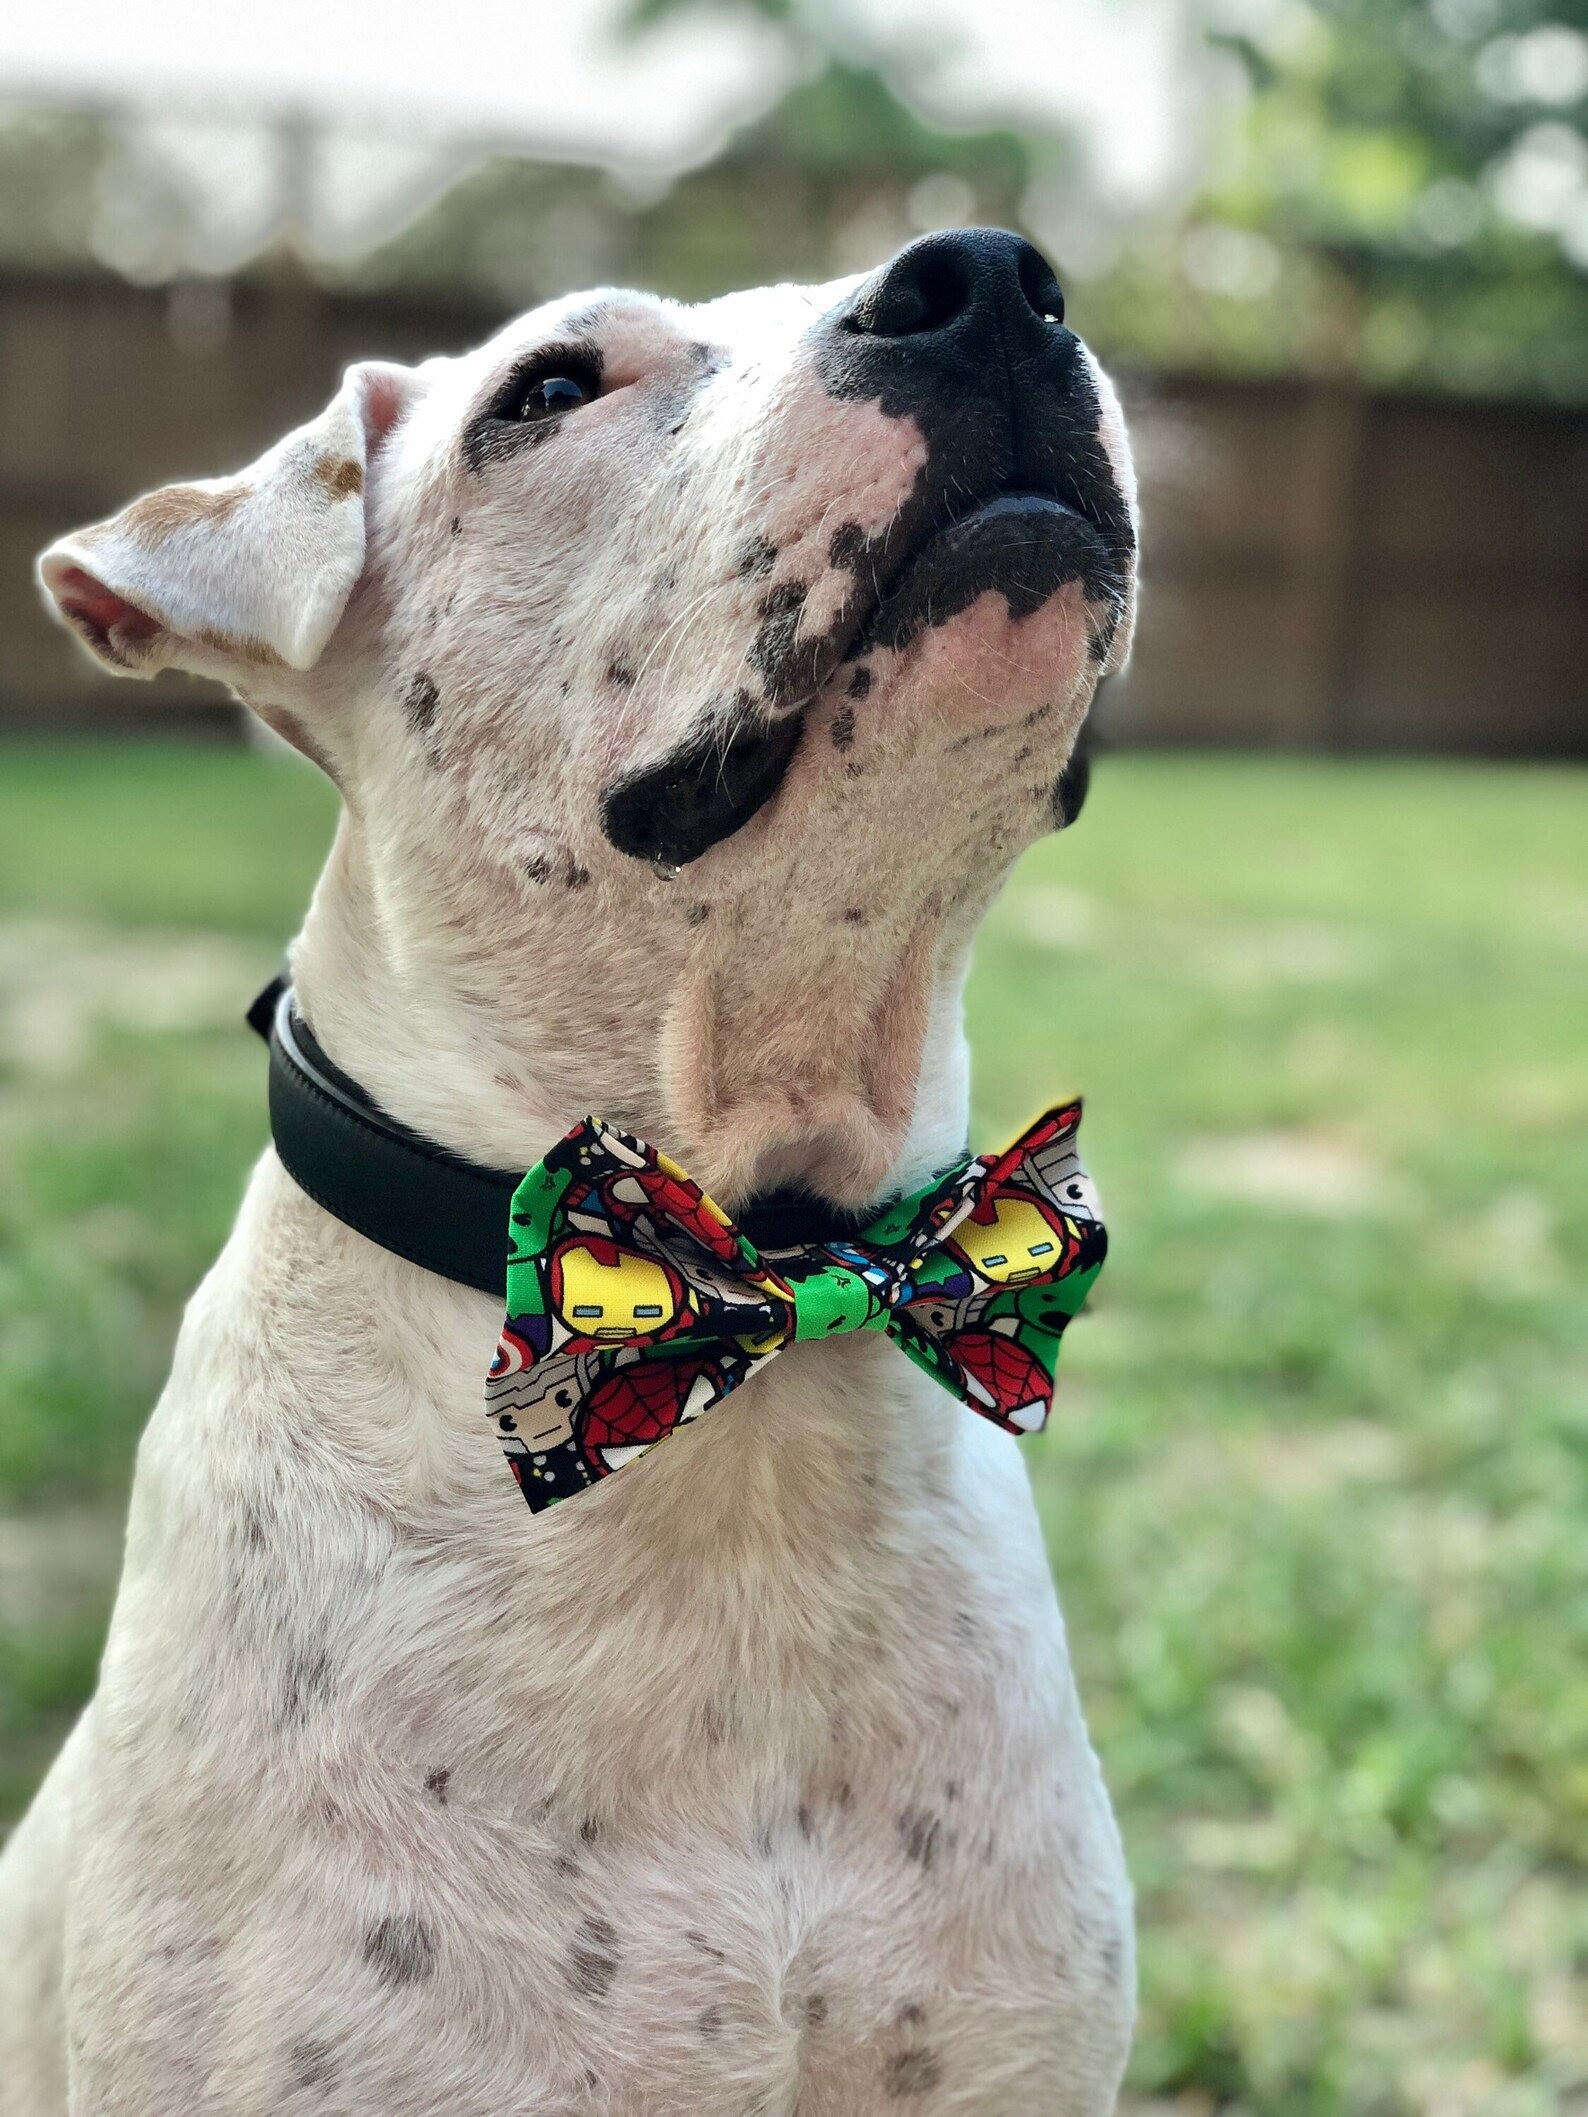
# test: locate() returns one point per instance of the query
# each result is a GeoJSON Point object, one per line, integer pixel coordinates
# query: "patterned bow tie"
{"type": "Point", "coordinates": [634, 1303]}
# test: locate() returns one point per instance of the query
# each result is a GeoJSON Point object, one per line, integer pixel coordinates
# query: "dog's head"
{"type": "Point", "coordinates": [713, 663]}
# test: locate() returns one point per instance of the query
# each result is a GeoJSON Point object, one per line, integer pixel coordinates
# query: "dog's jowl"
{"type": "Point", "coordinates": [692, 678]}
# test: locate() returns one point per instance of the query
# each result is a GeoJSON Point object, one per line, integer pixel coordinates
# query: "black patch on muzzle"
{"type": "Point", "coordinates": [957, 335]}
{"type": "Point", "coordinates": [1024, 546]}
{"type": "Point", "coordinates": [1073, 783]}
{"type": "Point", "coordinates": [708, 788]}
{"type": "Point", "coordinates": [962, 334]}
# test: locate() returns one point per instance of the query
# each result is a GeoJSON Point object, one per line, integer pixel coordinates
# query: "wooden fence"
{"type": "Point", "coordinates": [1325, 569]}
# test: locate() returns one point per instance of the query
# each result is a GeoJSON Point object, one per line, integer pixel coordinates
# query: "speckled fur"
{"type": "Point", "coordinates": [755, 1781]}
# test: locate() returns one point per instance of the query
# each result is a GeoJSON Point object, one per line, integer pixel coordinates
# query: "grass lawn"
{"type": "Point", "coordinates": [1317, 1496]}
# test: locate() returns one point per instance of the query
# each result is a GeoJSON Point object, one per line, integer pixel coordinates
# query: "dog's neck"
{"type": "Point", "coordinates": [748, 1038]}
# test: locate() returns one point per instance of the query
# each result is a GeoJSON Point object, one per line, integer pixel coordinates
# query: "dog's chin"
{"type": "Point", "coordinates": [1023, 547]}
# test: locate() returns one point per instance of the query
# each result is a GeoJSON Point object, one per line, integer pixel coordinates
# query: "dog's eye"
{"type": "Point", "coordinates": [539, 394]}
{"type": "Point", "coordinates": [553, 393]}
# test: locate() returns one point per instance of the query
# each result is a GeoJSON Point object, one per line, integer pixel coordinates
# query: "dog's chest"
{"type": "Point", "coordinates": [754, 1783]}
{"type": "Point", "coordinates": [694, 1869]}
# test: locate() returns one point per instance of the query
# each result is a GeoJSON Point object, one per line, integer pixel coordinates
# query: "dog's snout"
{"type": "Point", "coordinates": [959, 282]}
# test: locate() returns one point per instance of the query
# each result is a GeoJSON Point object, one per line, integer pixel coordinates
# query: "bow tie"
{"type": "Point", "coordinates": [634, 1303]}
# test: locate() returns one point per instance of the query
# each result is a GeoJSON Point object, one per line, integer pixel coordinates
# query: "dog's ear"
{"type": "Point", "coordinates": [231, 575]}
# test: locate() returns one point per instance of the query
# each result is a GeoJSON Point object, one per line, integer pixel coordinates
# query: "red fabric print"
{"type": "Point", "coordinates": [1003, 1369]}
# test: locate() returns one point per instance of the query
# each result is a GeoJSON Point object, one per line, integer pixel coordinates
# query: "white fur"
{"type": "Point", "coordinates": [754, 1780]}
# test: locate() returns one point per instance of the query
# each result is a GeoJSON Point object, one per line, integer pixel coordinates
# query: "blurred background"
{"type": "Point", "coordinates": [1316, 950]}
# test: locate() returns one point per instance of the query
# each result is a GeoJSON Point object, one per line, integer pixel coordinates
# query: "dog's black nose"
{"type": "Point", "coordinates": [959, 283]}
{"type": "Point", "coordinates": [962, 337]}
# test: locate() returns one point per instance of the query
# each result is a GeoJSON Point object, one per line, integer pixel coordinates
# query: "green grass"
{"type": "Point", "coordinates": [1317, 1496]}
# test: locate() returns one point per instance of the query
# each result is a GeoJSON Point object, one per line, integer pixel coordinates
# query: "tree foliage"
{"type": "Point", "coordinates": [1418, 170]}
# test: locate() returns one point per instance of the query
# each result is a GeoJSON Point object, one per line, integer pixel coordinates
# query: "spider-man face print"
{"type": "Point", "coordinates": [641, 1404]}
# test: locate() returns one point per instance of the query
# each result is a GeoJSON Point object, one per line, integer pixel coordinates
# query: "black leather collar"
{"type": "Point", "coordinates": [420, 1200]}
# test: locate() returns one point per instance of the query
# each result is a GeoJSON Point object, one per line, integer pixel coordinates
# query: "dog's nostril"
{"type": "Point", "coordinates": [959, 275]}
{"type": "Point", "coordinates": [926, 298]}
{"type": "Point", "coordinates": [923, 289]}
{"type": "Point", "coordinates": [1039, 286]}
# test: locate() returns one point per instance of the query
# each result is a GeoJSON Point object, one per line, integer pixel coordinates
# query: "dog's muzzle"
{"type": "Point", "coordinates": [963, 335]}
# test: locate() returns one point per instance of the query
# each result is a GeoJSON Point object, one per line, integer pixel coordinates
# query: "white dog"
{"type": "Point", "coordinates": [691, 678]}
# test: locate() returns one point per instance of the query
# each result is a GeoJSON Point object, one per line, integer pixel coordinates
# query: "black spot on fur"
{"type": "Point", "coordinates": [786, 668]}
{"type": "Point", "coordinates": [848, 546]}
{"type": "Point", "coordinates": [312, 2062]}
{"type": "Point", "coordinates": [855, 915]}
{"type": "Point", "coordinates": [859, 681]}
{"type": "Point", "coordinates": [697, 1939]}
{"type": "Point", "coordinates": [816, 2010]}
{"type": "Point", "coordinates": [755, 559]}
{"type": "Point", "coordinates": [556, 867]}
{"type": "Point", "coordinates": [845, 1795]}
{"type": "Point", "coordinates": [709, 2021]}
{"type": "Point", "coordinates": [843, 728]}
{"type": "Point", "coordinates": [698, 914]}
{"type": "Point", "coordinates": [593, 1959]}
{"type": "Point", "coordinates": [1070, 788]}
{"type": "Point", "coordinates": [920, 1833]}
{"type": "Point", "coordinates": [590, 1830]}
{"type": "Point", "coordinates": [457, 526]}
{"type": "Point", "coordinates": [401, 1950]}
{"type": "Point", "coordinates": [950, 1789]}
{"type": "Point", "coordinates": [590, 318]}
{"type": "Point", "coordinates": [912, 2015]}
{"type": "Point", "coordinates": [437, 1780]}
{"type": "Point", "coordinates": [707, 788]}
{"type": "Point", "coordinates": [621, 674]}
{"type": "Point", "coordinates": [913, 2072]}
{"type": "Point", "coordinates": [420, 703]}
{"type": "Point", "coordinates": [305, 1684]}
